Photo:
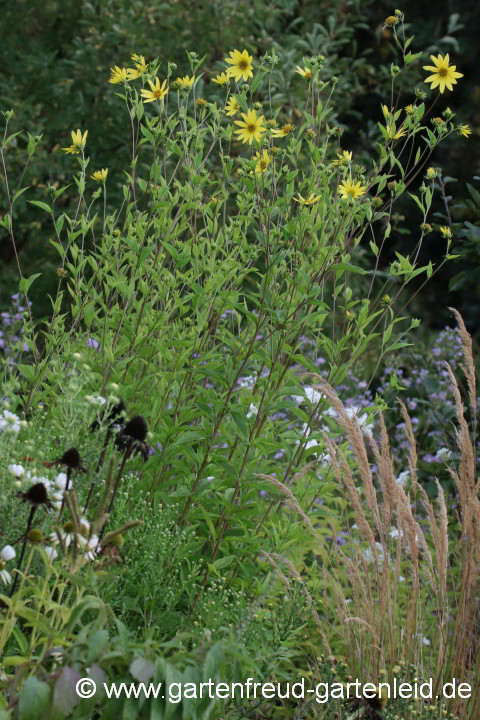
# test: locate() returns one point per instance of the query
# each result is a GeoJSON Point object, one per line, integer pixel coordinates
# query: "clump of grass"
{"type": "Point", "coordinates": [413, 587]}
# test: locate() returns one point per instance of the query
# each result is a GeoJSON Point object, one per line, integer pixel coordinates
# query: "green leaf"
{"type": "Point", "coordinates": [33, 699]}
{"type": "Point", "coordinates": [238, 418]}
{"type": "Point", "coordinates": [59, 223]}
{"type": "Point", "coordinates": [411, 57]}
{"type": "Point", "coordinates": [41, 205]}
{"type": "Point", "coordinates": [10, 138]}
{"type": "Point", "coordinates": [223, 562]}
{"type": "Point", "coordinates": [25, 283]}
{"type": "Point", "coordinates": [414, 197]}
{"type": "Point", "coordinates": [349, 268]}
{"type": "Point", "coordinates": [18, 193]}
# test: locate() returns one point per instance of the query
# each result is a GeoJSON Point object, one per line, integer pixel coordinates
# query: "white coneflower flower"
{"type": "Point", "coordinates": [51, 553]}
{"type": "Point", "coordinates": [91, 547]}
{"type": "Point", "coordinates": [6, 554]}
{"type": "Point", "coordinates": [61, 481]}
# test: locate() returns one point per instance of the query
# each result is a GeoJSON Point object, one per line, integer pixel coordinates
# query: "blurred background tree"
{"type": "Point", "coordinates": [55, 58]}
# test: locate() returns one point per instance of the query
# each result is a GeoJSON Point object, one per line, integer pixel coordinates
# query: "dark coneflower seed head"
{"type": "Point", "coordinates": [136, 428]}
{"type": "Point", "coordinates": [114, 416]}
{"type": "Point", "coordinates": [71, 458]}
{"type": "Point", "coordinates": [36, 495]}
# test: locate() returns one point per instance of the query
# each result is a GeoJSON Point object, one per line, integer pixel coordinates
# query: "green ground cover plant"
{"type": "Point", "coordinates": [196, 479]}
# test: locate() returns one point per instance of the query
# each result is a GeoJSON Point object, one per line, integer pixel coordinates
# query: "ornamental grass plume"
{"type": "Point", "coordinates": [381, 613]}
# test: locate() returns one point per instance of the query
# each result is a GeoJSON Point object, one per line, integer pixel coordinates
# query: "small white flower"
{"type": "Point", "coordinates": [96, 400]}
{"type": "Point", "coordinates": [312, 394]}
{"type": "Point", "coordinates": [17, 470]}
{"type": "Point", "coordinates": [91, 547]}
{"type": "Point", "coordinates": [394, 532]}
{"type": "Point", "coordinates": [8, 553]}
{"type": "Point", "coordinates": [444, 453]}
{"type": "Point", "coordinates": [403, 478]}
{"type": "Point", "coordinates": [9, 422]}
{"type": "Point", "coordinates": [247, 382]}
{"type": "Point", "coordinates": [252, 410]}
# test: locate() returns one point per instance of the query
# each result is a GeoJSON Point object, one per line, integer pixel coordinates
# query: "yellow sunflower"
{"type": "Point", "coordinates": [252, 127]}
{"type": "Point", "coordinates": [464, 130]}
{"type": "Point", "coordinates": [241, 63]}
{"type": "Point", "coordinates": [263, 161]}
{"type": "Point", "coordinates": [444, 75]}
{"type": "Point", "coordinates": [185, 83]}
{"type": "Point", "coordinates": [221, 79]}
{"type": "Point", "coordinates": [140, 67]}
{"type": "Point", "coordinates": [306, 73]}
{"type": "Point", "coordinates": [283, 131]}
{"type": "Point", "coordinates": [157, 91]}
{"type": "Point", "coordinates": [78, 142]}
{"type": "Point", "coordinates": [311, 200]}
{"type": "Point", "coordinates": [118, 75]}
{"type": "Point", "coordinates": [232, 106]}
{"type": "Point", "coordinates": [394, 134]}
{"type": "Point", "coordinates": [140, 63]}
{"type": "Point", "coordinates": [349, 189]}
{"type": "Point", "coordinates": [100, 175]}
{"type": "Point", "coordinates": [343, 157]}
